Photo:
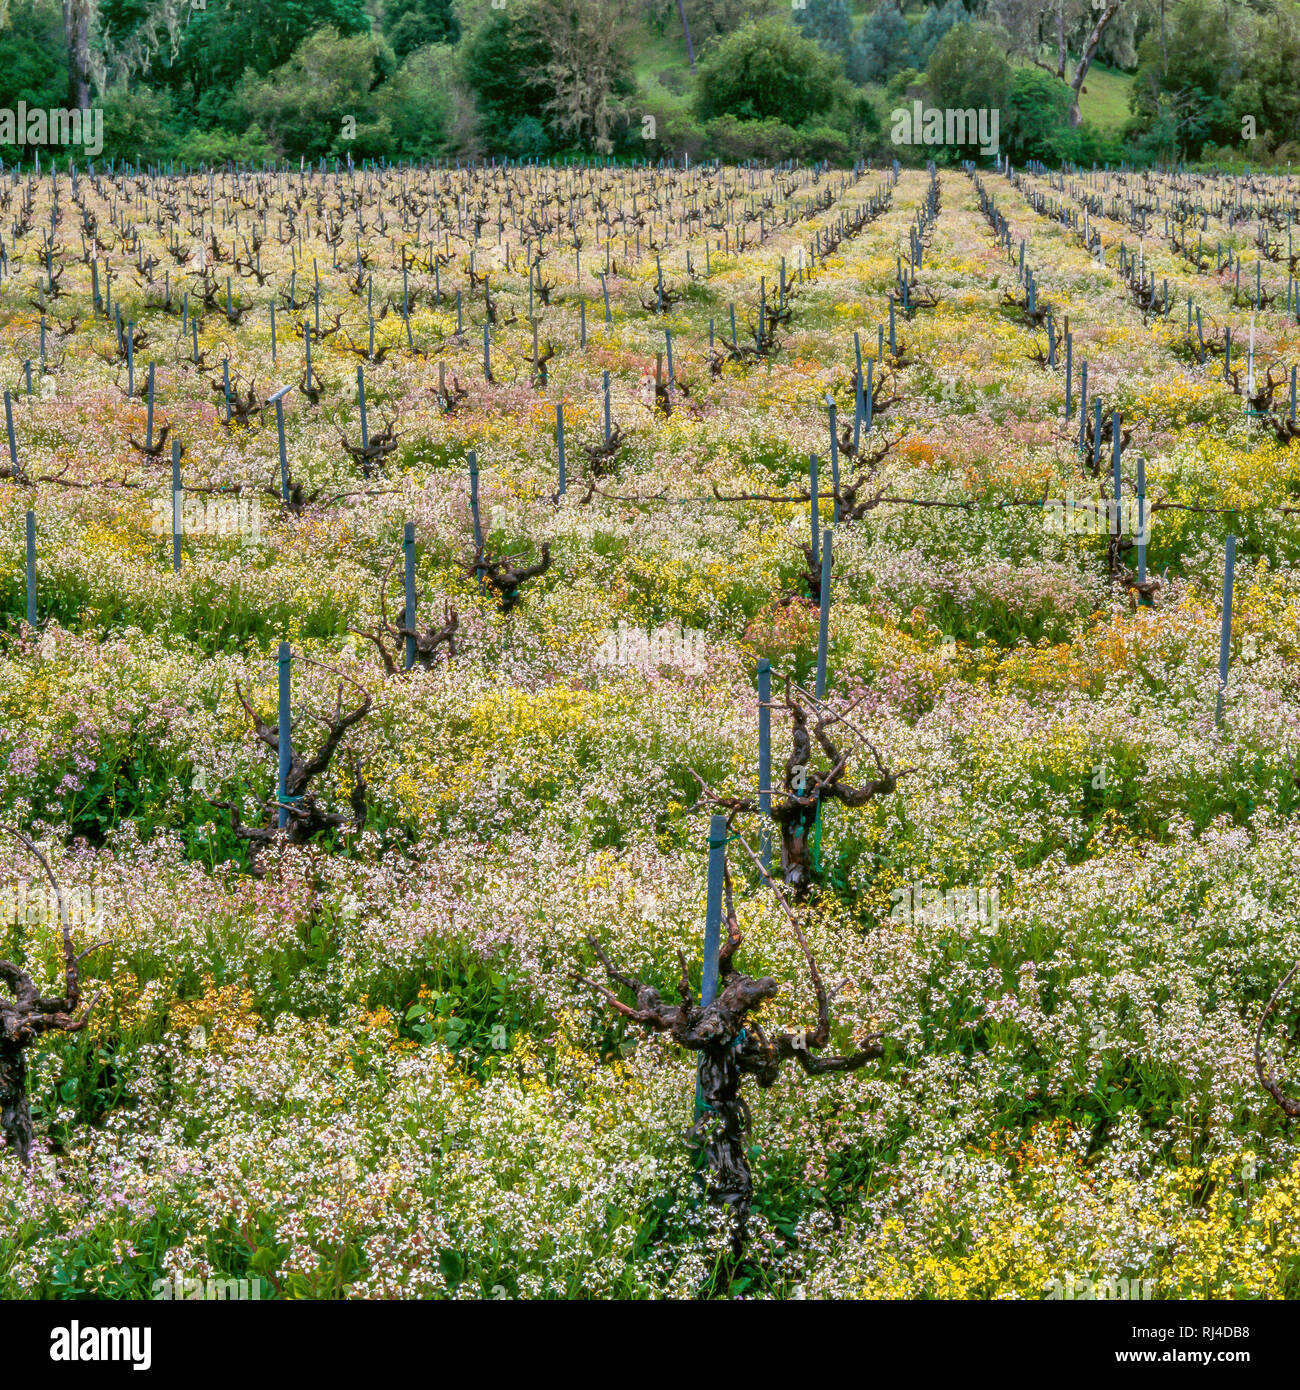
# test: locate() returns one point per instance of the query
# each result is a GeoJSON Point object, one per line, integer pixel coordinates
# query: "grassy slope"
{"type": "Point", "coordinates": [651, 55]}
{"type": "Point", "coordinates": [1104, 101]}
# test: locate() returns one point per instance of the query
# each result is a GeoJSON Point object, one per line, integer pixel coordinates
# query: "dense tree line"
{"type": "Point", "coordinates": [213, 80]}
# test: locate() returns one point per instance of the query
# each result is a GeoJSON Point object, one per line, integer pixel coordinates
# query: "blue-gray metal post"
{"type": "Point", "coordinates": [278, 400]}
{"type": "Point", "coordinates": [1142, 518]}
{"type": "Point", "coordinates": [1069, 374]}
{"type": "Point", "coordinates": [408, 621]}
{"type": "Point", "coordinates": [1116, 479]}
{"type": "Point", "coordinates": [473, 500]}
{"type": "Point", "coordinates": [1225, 633]}
{"type": "Point", "coordinates": [285, 733]}
{"type": "Point", "coordinates": [9, 426]}
{"type": "Point", "coordinates": [712, 929]}
{"type": "Point", "coordinates": [177, 500]}
{"type": "Point", "coordinates": [823, 629]}
{"type": "Point", "coordinates": [835, 459]}
{"type": "Point", "coordinates": [559, 444]}
{"type": "Point", "coordinates": [31, 569]}
{"type": "Point", "coordinates": [814, 514]}
{"type": "Point", "coordinates": [713, 909]}
{"type": "Point", "coordinates": [765, 756]}
{"type": "Point", "coordinates": [1083, 403]}
{"type": "Point", "coordinates": [473, 511]}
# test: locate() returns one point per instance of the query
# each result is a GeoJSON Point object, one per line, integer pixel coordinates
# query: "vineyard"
{"type": "Point", "coordinates": [649, 732]}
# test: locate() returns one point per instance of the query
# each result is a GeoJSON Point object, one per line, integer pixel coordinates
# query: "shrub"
{"type": "Point", "coordinates": [417, 102]}
{"type": "Point", "coordinates": [223, 146]}
{"type": "Point", "coordinates": [734, 141]}
{"type": "Point", "coordinates": [138, 124]}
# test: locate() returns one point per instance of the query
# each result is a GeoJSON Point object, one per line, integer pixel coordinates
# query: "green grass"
{"type": "Point", "coordinates": [1104, 101]}
{"type": "Point", "coordinates": [652, 55]}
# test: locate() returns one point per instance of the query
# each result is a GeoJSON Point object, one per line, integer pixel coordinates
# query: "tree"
{"type": "Point", "coordinates": [712, 19]}
{"type": "Point", "coordinates": [504, 63]}
{"type": "Point", "coordinates": [76, 35]}
{"type": "Point", "coordinates": [412, 24]}
{"type": "Point", "coordinates": [138, 120]}
{"type": "Point", "coordinates": [30, 66]}
{"type": "Point", "coordinates": [703, 19]}
{"type": "Point", "coordinates": [306, 104]}
{"type": "Point", "coordinates": [1197, 81]}
{"type": "Point", "coordinates": [686, 34]}
{"type": "Point", "coordinates": [1037, 113]}
{"type": "Point", "coordinates": [767, 71]}
{"type": "Point", "coordinates": [128, 37]}
{"type": "Point", "coordinates": [886, 44]}
{"type": "Point", "coordinates": [969, 68]}
{"type": "Point", "coordinates": [1086, 57]}
{"type": "Point", "coordinates": [229, 37]}
{"type": "Point", "coordinates": [933, 26]}
{"type": "Point", "coordinates": [1118, 46]}
{"type": "Point", "coordinates": [1061, 27]}
{"type": "Point", "coordinates": [587, 68]}
{"type": "Point", "coordinates": [550, 73]}
{"type": "Point", "coordinates": [418, 102]}
{"type": "Point", "coordinates": [1180, 95]}
{"type": "Point", "coordinates": [830, 24]}
{"type": "Point", "coordinates": [1275, 63]}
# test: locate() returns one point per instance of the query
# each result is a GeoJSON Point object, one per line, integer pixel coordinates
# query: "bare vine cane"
{"type": "Point", "coordinates": [307, 815]}
{"type": "Point", "coordinates": [29, 1014]}
{"type": "Point", "coordinates": [1290, 1106]}
{"type": "Point", "coordinates": [504, 575]}
{"type": "Point", "coordinates": [389, 636]}
{"type": "Point", "coordinates": [805, 787]}
{"type": "Point", "coordinates": [733, 1045]}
